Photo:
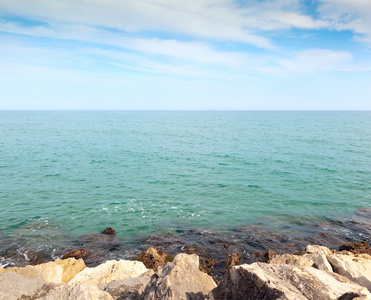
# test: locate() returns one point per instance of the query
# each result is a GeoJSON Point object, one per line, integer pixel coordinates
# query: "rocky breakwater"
{"type": "Point", "coordinates": [319, 273]}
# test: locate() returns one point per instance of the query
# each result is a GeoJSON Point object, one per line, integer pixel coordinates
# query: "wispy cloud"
{"type": "Point", "coordinates": [354, 15]}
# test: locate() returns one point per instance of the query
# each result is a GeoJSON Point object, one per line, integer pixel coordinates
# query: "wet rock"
{"type": "Point", "coordinates": [314, 260]}
{"type": "Point", "coordinates": [109, 271]}
{"type": "Point", "coordinates": [128, 289]}
{"type": "Point", "coordinates": [356, 267]}
{"type": "Point", "coordinates": [198, 251]}
{"type": "Point", "coordinates": [232, 260]}
{"type": "Point", "coordinates": [109, 231]}
{"type": "Point", "coordinates": [181, 280]}
{"type": "Point", "coordinates": [154, 258]}
{"type": "Point", "coordinates": [78, 253]}
{"type": "Point", "coordinates": [268, 281]}
{"type": "Point", "coordinates": [357, 248]}
{"type": "Point", "coordinates": [259, 238]}
{"type": "Point", "coordinates": [326, 239]}
{"type": "Point", "coordinates": [364, 212]}
{"type": "Point", "coordinates": [207, 265]}
{"type": "Point", "coordinates": [269, 255]}
{"type": "Point", "coordinates": [100, 241]}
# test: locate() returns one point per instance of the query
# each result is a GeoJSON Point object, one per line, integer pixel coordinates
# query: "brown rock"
{"type": "Point", "coordinates": [154, 258]}
{"type": "Point", "coordinates": [357, 248]}
{"type": "Point", "coordinates": [109, 231]}
{"type": "Point", "coordinates": [269, 255]}
{"type": "Point", "coordinates": [232, 260]}
{"type": "Point", "coordinates": [207, 266]}
{"type": "Point", "coordinates": [78, 253]}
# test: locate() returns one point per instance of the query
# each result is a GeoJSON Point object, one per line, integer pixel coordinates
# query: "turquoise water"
{"type": "Point", "coordinates": [145, 172]}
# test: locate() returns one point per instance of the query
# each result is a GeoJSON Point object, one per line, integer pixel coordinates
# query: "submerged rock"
{"type": "Point", "coordinates": [270, 281]}
{"type": "Point", "coordinates": [181, 280]}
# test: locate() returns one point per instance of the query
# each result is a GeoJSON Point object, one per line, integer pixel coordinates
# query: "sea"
{"type": "Point", "coordinates": [244, 179]}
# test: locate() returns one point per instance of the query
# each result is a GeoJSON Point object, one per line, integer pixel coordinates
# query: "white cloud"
{"type": "Point", "coordinates": [315, 60]}
{"type": "Point", "coordinates": [352, 15]}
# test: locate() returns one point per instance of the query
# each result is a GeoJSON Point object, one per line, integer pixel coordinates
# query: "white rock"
{"type": "Point", "coordinates": [356, 267]}
{"type": "Point", "coordinates": [270, 281]}
{"type": "Point", "coordinates": [316, 260]}
{"type": "Point", "coordinates": [109, 271]}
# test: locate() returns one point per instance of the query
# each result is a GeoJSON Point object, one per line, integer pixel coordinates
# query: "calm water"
{"type": "Point", "coordinates": [64, 174]}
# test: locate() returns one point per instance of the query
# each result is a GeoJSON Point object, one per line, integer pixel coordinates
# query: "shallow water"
{"type": "Point", "coordinates": [66, 174]}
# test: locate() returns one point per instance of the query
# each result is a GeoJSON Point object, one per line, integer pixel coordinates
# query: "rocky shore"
{"type": "Point", "coordinates": [316, 273]}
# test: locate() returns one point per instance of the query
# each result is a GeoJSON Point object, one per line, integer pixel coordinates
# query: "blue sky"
{"type": "Point", "coordinates": [178, 54]}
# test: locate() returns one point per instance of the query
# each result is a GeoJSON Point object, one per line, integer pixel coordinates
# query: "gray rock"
{"type": "Point", "coordinates": [14, 286]}
{"type": "Point", "coordinates": [180, 280]}
{"type": "Point", "coordinates": [270, 281]}
{"type": "Point", "coordinates": [76, 292]}
{"type": "Point", "coordinates": [130, 289]}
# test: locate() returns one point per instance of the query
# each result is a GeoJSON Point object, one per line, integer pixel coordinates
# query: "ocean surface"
{"type": "Point", "coordinates": [66, 174]}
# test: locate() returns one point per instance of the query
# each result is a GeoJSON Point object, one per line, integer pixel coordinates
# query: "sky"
{"type": "Point", "coordinates": [185, 55]}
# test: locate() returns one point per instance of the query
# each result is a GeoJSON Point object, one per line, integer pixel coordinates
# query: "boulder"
{"type": "Point", "coordinates": [76, 291]}
{"type": "Point", "coordinates": [128, 289]}
{"type": "Point", "coordinates": [318, 249]}
{"type": "Point", "coordinates": [14, 286]}
{"type": "Point", "coordinates": [316, 260]}
{"type": "Point", "coordinates": [50, 272]}
{"type": "Point", "coordinates": [179, 280]}
{"type": "Point", "coordinates": [154, 258]}
{"type": "Point", "coordinates": [59, 271]}
{"type": "Point", "coordinates": [356, 267]}
{"type": "Point", "coordinates": [270, 281]}
{"type": "Point", "coordinates": [71, 267]}
{"type": "Point", "coordinates": [109, 271]}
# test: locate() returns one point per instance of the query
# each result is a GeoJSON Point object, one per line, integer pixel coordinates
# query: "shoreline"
{"type": "Point", "coordinates": [250, 242]}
